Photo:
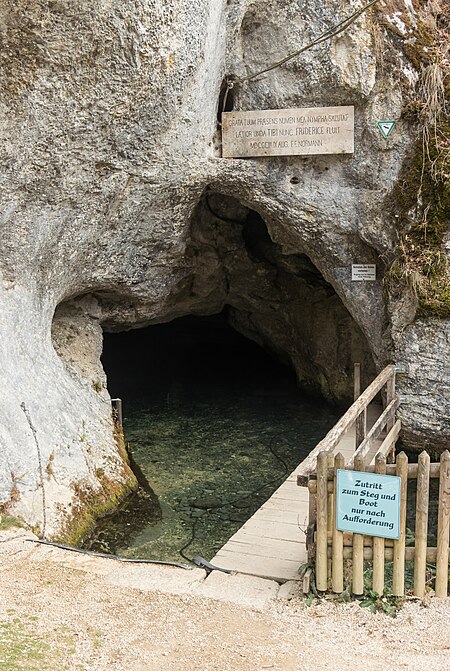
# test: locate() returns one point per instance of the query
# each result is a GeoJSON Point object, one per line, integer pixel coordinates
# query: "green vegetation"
{"type": "Point", "coordinates": [49, 467]}
{"type": "Point", "coordinates": [23, 647]}
{"type": "Point", "coordinates": [386, 603]}
{"type": "Point", "coordinates": [97, 386]}
{"type": "Point", "coordinates": [9, 522]}
{"type": "Point", "coordinates": [420, 201]}
{"type": "Point", "coordinates": [90, 504]}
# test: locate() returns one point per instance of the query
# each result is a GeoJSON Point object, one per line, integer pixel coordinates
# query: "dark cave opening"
{"type": "Point", "coordinates": [219, 409]}
{"type": "Point", "coordinates": [226, 101]}
{"type": "Point", "coordinates": [149, 362]}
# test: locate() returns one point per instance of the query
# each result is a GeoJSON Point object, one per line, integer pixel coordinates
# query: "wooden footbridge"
{"type": "Point", "coordinates": [272, 543]}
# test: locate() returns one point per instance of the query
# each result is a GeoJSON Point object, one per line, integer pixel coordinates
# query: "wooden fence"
{"type": "Point", "coordinates": [329, 548]}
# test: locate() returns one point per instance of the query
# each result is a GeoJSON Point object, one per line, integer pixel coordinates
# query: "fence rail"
{"type": "Point", "coordinates": [330, 548]}
{"type": "Point", "coordinates": [356, 416]}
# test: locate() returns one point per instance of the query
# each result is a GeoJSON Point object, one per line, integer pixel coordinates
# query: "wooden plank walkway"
{"type": "Point", "coordinates": [272, 543]}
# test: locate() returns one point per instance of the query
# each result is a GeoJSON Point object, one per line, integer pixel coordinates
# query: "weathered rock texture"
{"type": "Point", "coordinates": [118, 211]}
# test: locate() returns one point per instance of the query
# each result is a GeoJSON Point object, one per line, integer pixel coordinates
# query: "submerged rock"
{"type": "Point", "coordinates": [206, 502]}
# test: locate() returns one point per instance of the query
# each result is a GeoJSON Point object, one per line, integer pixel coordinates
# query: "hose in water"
{"type": "Point", "coordinates": [240, 498]}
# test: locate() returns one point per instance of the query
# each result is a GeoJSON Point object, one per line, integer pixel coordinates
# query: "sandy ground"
{"type": "Point", "coordinates": [61, 612]}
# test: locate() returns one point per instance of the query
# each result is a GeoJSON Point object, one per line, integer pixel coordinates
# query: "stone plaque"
{"type": "Point", "coordinates": [364, 272]}
{"type": "Point", "coordinates": [288, 132]}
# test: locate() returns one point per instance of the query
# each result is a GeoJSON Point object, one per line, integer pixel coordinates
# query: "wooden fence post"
{"type": "Point", "coordinates": [361, 420]}
{"type": "Point", "coordinates": [322, 523]}
{"type": "Point", "coordinates": [398, 577]}
{"type": "Point", "coordinates": [390, 395]}
{"type": "Point", "coordinates": [337, 566]}
{"type": "Point", "coordinates": [378, 543]}
{"type": "Point", "coordinates": [331, 515]}
{"type": "Point", "coordinates": [421, 533]}
{"type": "Point", "coordinates": [358, 547]}
{"type": "Point", "coordinates": [312, 526]}
{"type": "Point", "coordinates": [441, 585]}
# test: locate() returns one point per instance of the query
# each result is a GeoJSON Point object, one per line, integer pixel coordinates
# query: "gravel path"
{"type": "Point", "coordinates": [55, 615]}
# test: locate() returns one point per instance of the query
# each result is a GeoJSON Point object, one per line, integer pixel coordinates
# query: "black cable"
{"type": "Point", "coordinates": [92, 553]}
{"type": "Point", "coordinates": [191, 539]}
{"type": "Point", "coordinates": [41, 472]}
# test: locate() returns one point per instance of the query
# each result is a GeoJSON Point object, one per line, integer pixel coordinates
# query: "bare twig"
{"type": "Point", "coordinates": [41, 473]}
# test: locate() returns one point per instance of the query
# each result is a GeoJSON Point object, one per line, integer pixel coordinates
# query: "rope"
{"type": "Point", "coordinates": [226, 220]}
{"type": "Point", "coordinates": [41, 472]}
{"type": "Point", "coordinates": [327, 35]}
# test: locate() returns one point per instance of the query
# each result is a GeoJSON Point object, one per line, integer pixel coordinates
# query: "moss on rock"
{"type": "Point", "coordinates": [90, 504]}
{"type": "Point", "coordinates": [420, 200]}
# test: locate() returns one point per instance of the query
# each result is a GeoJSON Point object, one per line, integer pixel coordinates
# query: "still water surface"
{"type": "Point", "coordinates": [212, 443]}
{"type": "Point", "coordinates": [212, 454]}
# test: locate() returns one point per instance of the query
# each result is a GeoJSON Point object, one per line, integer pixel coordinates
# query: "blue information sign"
{"type": "Point", "coordinates": [368, 503]}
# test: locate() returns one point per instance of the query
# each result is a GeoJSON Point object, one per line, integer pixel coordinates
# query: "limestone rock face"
{"type": "Point", "coordinates": [424, 348]}
{"type": "Point", "coordinates": [117, 211]}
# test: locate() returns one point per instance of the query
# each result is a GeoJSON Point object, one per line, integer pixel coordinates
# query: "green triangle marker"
{"type": "Point", "coordinates": [386, 127]}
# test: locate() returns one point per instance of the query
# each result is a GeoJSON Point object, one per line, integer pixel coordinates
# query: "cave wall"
{"type": "Point", "coordinates": [108, 121]}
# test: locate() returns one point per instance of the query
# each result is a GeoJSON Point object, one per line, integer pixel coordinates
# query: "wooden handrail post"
{"type": "Point", "coordinates": [361, 420]}
{"type": "Point", "coordinates": [322, 523]}
{"type": "Point", "coordinates": [356, 381]}
{"type": "Point", "coordinates": [378, 543]}
{"type": "Point", "coordinates": [390, 395]}
{"type": "Point", "coordinates": [421, 532]}
{"type": "Point", "coordinates": [441, 585]}
{"type": "Point", "coordinates": [117, 412]}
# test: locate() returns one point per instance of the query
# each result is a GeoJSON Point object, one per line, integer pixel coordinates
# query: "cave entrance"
{"type": "Point", "coordinates": [214, 422]}
{"type": "Point", "coordinates": [219, 409]}
{"type": "Point", "coordinates": [178, 361]}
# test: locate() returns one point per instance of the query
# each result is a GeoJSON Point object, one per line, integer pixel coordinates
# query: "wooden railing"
{"type": "Point", "coordinates": [356, 416]}
{"type": "Point", "coordinates": [328, 547]}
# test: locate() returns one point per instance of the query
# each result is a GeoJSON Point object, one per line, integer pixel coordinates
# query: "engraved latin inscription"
{"type": "Point", "coordinates": [325, 130]}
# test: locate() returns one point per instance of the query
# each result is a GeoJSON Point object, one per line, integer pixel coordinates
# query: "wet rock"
{"type": "Point", "coordinates": [205, 502]}
{"type": "Point", "coordinates": [238, 517]}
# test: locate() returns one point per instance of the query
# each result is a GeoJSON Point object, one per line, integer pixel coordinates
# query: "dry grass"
{"type": "Point", "coordinates": [422, 262]}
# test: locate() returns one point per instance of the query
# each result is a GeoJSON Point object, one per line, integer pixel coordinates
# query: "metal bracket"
{"type": "Point", "coordinates": [401, 368]}
{"type": "Point", "coordinates": [208, 566]}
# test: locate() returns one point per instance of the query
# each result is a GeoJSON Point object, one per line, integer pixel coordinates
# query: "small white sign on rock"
{"type": "Point", "coordinates": [364, 272]}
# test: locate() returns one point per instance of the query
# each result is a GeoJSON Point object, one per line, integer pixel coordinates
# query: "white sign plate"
{"type": "Point", "coordinates": [364, 272]}
{"type": "Point", "coordinates": [288, 132]}
{"type": "Point", "coordinates": [368, 503]}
